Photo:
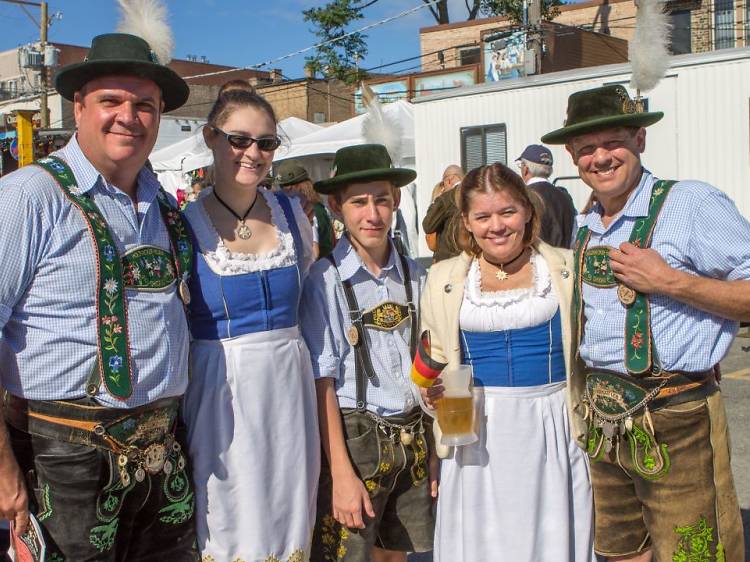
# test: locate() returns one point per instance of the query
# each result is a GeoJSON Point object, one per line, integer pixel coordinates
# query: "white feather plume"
{"type": "Point", "coordinates": [148, 19]}
{"type": "Point", "coordinates": [648, 50]}
{"type": "Point", "coordinates": [379, 128]}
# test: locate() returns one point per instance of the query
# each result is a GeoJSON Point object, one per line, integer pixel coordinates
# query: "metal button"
{"type": "Point", "coordinates": [99, 430]}
{"type": "Point", "coordinates": [92, 389]}
{"type": "Point", "coordinates": [360, 405]}
{"type": "Point", "coordinates": [565, 273]}
{"type": "Point", "coordinates": [448, 288]}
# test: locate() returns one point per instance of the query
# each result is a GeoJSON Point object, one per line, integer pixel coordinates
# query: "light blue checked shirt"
{"type": "Point", "coordinates": [48, 341]}
{"type": "Point", "coordinates": [324, 318]}
{"type": "Point", "coordinates": [699, 231]}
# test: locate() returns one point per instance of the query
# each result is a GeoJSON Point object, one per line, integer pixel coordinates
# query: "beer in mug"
{"type": "Point", "coordinates": [455, 409]}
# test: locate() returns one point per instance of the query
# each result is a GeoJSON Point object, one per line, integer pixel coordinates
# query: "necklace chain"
{"type": "Point", "coordinates": [243, 231]}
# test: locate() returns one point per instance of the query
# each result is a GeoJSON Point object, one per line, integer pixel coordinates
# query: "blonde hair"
{"type": "Point", "coordinates": [496, 178]}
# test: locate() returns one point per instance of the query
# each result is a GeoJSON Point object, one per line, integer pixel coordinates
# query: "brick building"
{"type": "Point", "coordinates": [699, 26]}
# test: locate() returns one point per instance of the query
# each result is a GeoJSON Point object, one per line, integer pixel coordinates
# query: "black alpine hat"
{"type": "Point", "coordinates": [115, 54]}
{"type": "Point", "coordinates": [363, 163]}
{"type": "Point", "coordinates": [601, 108]}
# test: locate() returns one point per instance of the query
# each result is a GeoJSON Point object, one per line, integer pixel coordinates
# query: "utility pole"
{"type": "Point", "coordinates": [535, 27]}
{"type": "Point", "coordinates": [43, 111]}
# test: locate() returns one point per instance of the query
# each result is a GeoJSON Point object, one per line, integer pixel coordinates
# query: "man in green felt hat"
{"type": "Point", "coordinates": [663, 279]}
{"type": "Point", "coordinates": [293, 178]}
{"type": "Point", "coordinates": [359, 319]}
{"type": "Point", "coordinates": [94, 337]}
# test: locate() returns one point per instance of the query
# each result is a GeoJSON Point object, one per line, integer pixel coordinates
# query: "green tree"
{"type": "Point", "coordinates": [513, 9]}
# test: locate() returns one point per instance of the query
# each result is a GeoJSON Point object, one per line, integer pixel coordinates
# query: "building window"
{"type": "Point", "coordinates": [319, 117]}
{"type": "Point", "coordinates": [723, 24]}
{"type": "Point", "coordinates": [483, 145]}
{"type": "Point", "coordinates": [470, 56]}
{"type": "Point", "coordinates": [681, 32]}
{"type": "Point", "coordinates": [747, 24]}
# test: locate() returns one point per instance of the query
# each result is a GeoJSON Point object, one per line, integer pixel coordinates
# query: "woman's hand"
{"type": "Point", "coordinates": [430, 395]}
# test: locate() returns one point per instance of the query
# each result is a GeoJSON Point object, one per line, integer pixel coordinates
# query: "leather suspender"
{"type": "Point", "coordinates": [363, 369]}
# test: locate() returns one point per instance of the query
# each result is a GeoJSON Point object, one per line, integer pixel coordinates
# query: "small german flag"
{"type": "Point", "coordinates": [425, 369]}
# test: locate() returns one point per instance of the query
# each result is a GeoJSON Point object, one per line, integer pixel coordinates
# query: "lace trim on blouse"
{"type": "Point", "coordinates": [224, 261]}
{"type": "Point", "coordinates": [540, 287]}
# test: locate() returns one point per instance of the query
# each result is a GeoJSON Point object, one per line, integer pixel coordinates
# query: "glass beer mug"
{"type": "Point", "coordinates": [455, 409]}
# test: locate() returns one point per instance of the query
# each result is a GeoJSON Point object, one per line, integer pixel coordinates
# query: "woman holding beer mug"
{"type": "Point", "coordinates": [521, 492]}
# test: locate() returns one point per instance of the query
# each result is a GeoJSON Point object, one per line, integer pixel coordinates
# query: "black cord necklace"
{"type": "Point", "coordinates": [501, 274]}
{"type": "Point", "coordinates": [243, 231]}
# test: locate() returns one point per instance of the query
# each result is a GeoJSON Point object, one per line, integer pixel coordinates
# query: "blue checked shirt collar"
{"type": "Point", "coordinates": [89, 177]}
{"type": "Point", "coordinates": [349, 263]}
{"type": "Point", "coordinates": [636, 206]}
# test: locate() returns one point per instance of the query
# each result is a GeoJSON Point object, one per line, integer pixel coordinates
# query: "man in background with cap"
{"type": "Point", "coordinates": [558, 212]}
{"type": "Point", "coordinates": [292, 177]}
{"type": "Point", "coordinates": [662, 281]}
{"type": "Point", "coordinates": [359, 318]}
{"type": "Point", "coordinates": [94, 337]}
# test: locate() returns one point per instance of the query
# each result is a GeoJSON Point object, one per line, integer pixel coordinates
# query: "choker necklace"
{"type": "Point", "coordinates": [243, 231]}
{"type": "Point", "coordinates": [501, 274]}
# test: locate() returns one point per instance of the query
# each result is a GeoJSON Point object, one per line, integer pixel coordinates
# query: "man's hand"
{"type": "Point", "coordinates": [641, 269]}
{"type": "Point", "coordinates": [14, 504]}
{"type": "Point", "coordinates": [349, 497]}
{"type": "Point", "coordinates": [433, 393]}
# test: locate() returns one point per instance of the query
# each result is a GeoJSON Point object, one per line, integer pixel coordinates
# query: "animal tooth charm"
{"type": "Point", "coordinates": [406, 437]}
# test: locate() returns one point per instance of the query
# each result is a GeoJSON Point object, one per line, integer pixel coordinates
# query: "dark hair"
{"type": "Point", "coordinates": [496, 178]}
{"type": "Point", "coordinates": [234, 94]}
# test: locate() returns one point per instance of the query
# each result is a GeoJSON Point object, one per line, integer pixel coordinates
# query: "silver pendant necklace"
{"type": "Point", "coordinates": [243, 231]}
{"type": "Point", "coordinates": [501, 274]}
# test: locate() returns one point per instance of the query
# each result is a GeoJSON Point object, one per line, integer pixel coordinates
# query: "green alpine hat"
{"type": "Point", "coordinates": [290, 172]}
{"type": "Point", "coordinates": [363, 163]}
{"type": "Point", "coordinates": [601, 108]}
{"type": "Point", "coordinates": [122, 54]}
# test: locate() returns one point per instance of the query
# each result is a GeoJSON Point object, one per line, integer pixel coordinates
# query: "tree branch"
{"type": "Point", "coordinates": [432, 9]}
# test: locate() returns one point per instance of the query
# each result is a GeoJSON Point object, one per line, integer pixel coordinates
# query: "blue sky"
{"type": "Point", "coordinates": [232, 32]}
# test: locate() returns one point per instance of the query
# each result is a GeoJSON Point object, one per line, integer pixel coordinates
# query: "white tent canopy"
{"type": "Point", "coordinates": [347, 133]}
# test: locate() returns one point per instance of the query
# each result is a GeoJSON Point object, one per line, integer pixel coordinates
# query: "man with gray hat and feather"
{"type": "Point", "coordinates": [94, 338]}
{"type": "Point", "coordinates": [658, 298]}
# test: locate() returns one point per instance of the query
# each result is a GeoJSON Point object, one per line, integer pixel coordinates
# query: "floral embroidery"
{"type": "Point", "coordinates": [637, 340]}
{"type": "Point", "coordinates": [695, 544]}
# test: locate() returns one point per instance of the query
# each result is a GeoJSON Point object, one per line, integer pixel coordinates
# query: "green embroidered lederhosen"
{"type": "Point", "coordinates": [144, 268]}
{"type": "Point", "coordinates": [611, 399]}
{"type": "Point", "coordinates": [140, 441]}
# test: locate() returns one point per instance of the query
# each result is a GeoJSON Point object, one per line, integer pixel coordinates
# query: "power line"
{"type": "Point", "coordinates": [323, 43]}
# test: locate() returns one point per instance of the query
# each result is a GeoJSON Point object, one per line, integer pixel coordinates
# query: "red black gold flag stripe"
{"type": "Point", "coordinates": [425, 369]}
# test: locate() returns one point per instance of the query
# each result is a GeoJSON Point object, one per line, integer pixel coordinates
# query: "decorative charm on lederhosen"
{"type": "Point", "coordinates": [386, 316]}
{"type": "Point", "coordinates": [114, 276]}
{"type": "Point", "coordinates": [425, 369]}
{"type": "Point", "coordinates": [611, 399]}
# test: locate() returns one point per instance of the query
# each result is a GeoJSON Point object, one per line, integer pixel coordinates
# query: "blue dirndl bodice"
{"type": "Point", "coordinates": [227, 306]}
{"type": "Point", "coordinates": [519, 357]}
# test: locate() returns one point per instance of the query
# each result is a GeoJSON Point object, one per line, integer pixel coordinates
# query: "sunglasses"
{"type": "Point", "coordinates": [266, 144]}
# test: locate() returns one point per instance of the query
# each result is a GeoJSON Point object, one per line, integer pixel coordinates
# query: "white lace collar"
{"type": "Point", "coordinates": [226, 262]}
{"type": "Point", "coordinates": [540, 287]}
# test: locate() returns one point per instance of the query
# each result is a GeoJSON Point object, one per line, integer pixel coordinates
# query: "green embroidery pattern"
{"type": "Point", "coordinates": [114, 349]}
{"type": "Point", "coordinates": [177, 491]}
{"type": "Point", "coordinates": [149, 268]}
{"type": "Point", "coordinates": [103, 536]}
{"type": "Point", "coordinates": [695, 544]}
{"type": "Point", "coordinates": [45, 505]}
{"type": "Point", "coordinates": [112, 322]}
{"type": "Point", "coordinates": [596, 268]}
{"type": "Point", "coordinates": [55, 557]}
{"type": "Point", "coordinates": [650, 459]}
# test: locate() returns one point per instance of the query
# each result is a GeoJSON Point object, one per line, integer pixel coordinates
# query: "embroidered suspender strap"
{"type": "Point", "coordinates": [413, 335]}
{"type": "Point", "coordinates": [592, 266]}
{"type": "Point", "coordinates": [115, 366]}
{"type": "Point", "coordinates": [179, 239]}
{"type": "Point", "coordinates": [638, 317]}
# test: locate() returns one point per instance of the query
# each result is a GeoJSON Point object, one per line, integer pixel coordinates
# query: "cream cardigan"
{"type": "Point", "coordinates": [441, 303]}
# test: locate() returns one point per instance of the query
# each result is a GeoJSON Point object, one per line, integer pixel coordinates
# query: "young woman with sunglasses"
{"type": "Point", "coordinates": [250, 407]}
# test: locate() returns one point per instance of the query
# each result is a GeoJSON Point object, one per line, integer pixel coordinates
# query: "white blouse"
{"type": "Point", "coordinates": [223, 261]}
{"type": "Point", "coordinates": [484, 311]}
